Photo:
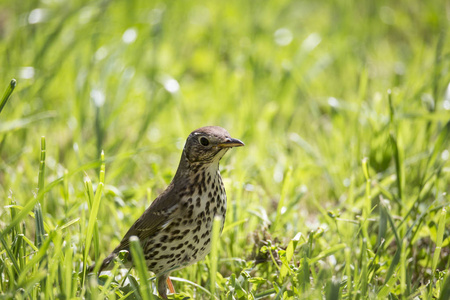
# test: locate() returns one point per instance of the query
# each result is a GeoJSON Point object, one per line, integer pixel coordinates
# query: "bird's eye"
{"type": "Point", "coordinates": [204, 141]}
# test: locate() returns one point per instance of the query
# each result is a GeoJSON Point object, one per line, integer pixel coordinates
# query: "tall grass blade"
{"type": "Point", "coordinates": [40, 231]}
{"type": "Point", "coordinates": [333, 287]}
{"type": "Point", "coordinates": [9, 89]}
{"type": "Point", "coordinates": [289, 254]}
{"type": "Point", "coordinates": [440, 144]}
{"type": "Point", "coordinates": [445, 291]}
{"type": "Point", "coordinates": [214, 254]}
{"type": "Point", "coordinates": [93, 214]}
{"type": "Point", "coordinates": [36, 259]}
{"type": "Point", "coordinates": [281, 203]}
{"type": "Point", "coordinates": [68, 259]}
{"type": "Point", "coordinates": [141, 268]}
{"type": "Point", "coordinates": [367, 208]}
{"type": "Point", "coordinates": [24, 122]}
{"type": "Point", "coordinates": [396, 259]}
{"type": "Point", "coordinates": [363, 262]}
{"type": "Point", "coordinates": [439, 239]}
{"type": "Point", "coordinates": [348, 273]}
{"type": "Point", "coordinates": [399, 166]}
{"type": "Point", "coordinates": [382, 224]}
{"type": "Point", "coordinates": [403, 261]}
{"type": "Point", "coordinates": [10, 253]}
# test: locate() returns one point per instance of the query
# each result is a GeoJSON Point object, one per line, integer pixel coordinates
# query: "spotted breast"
{"type": "Point", "coordinates": [187, 239]}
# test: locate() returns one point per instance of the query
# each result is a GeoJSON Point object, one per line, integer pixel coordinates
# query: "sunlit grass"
{"type": "Point", "coordinates": [340, 193]}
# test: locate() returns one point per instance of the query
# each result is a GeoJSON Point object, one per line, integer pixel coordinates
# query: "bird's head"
{"type": "Point", "coordinates": [209, 144]}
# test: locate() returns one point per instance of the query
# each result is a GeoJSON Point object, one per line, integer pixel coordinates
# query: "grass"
{"type": "Point", "coordinates": [344, 106]}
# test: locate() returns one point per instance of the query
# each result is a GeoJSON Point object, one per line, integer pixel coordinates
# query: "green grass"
{"type": "Point", "coordinates": [344, 106]}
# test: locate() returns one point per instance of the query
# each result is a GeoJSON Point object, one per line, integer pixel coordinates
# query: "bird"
{"type": "Point", "coordinates": [175, 231]}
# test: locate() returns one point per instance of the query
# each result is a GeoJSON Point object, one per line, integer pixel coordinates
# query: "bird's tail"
{"type": "Point", "coordinates": [106, 264]}
{"type": "Point", "coordinates": [90, 268]}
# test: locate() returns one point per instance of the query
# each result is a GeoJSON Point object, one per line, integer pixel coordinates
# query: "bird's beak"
{"type": "Point", "coordinates": [230, 142]}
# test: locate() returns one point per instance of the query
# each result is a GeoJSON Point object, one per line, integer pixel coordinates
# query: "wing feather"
{"type": "Point", "coordinates": [156, 217]}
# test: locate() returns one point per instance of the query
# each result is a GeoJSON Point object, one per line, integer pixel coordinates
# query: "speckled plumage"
{"type": "Point", "coordinates": [175, 231]}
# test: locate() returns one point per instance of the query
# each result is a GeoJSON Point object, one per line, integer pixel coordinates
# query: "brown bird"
{"type": "Point", "coordinates": [175, 231]}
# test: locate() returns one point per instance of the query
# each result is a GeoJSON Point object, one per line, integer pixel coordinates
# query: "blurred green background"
{"type": "Point", "coordinates": [136, 77]}
{"type": "Point", "coordinates": [303, 83]}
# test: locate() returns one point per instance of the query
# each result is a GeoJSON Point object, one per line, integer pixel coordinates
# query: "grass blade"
{"type": "Point", "coordinates": [281, 204]}
{"type": "Point", "coordinates": [37, 258]}
{"type": "Point", "coordinates": [40, 231]}
{"type": "Point", "coordinates": [93, 215]}
{"type": "Point", "coordinates": [399, 165]}
{"type": "Point", "coordinates": [348, 272]}
{"type": "Point", "coordinates": [193, 284]}
{"type": "Point", "coordinates": [333, 287]}
{"type": "Point", "coordinates": [141, 268]}
{"type": "Point", "coordinates": [382, 227]}
{"type": "Point", "coordinates": [214, 255]}
{"type": "Point", "coordinates": [17, 124]}
{"type": "Point", "coordinates": [395, 261]}
{"type": "Point", "coordinates": [7, 93]}
{"type": "Point", "coordinates": [445, 292]}
{"type": "Point", "coordinates": [439, 145]}
{"type": "Point", "coordinates": [10, 253]}
{"type": "Point", "coordinates": [439, 238]}
{"type": "Point", "coordinates": [289, 253]}
{"type": "Point", "coordinates": [363, 262]}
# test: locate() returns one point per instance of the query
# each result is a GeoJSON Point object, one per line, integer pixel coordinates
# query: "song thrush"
{"type": "Point", "coordinates": [175, 231]}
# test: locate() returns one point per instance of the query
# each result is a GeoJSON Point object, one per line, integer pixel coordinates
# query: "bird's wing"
{"type": "Point", "coordinates": [159, 215]}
